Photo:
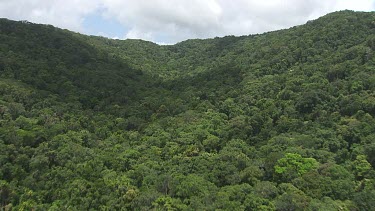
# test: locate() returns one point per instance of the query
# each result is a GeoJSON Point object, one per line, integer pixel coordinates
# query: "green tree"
{"type": "Point", "coordinates": [293, 165]}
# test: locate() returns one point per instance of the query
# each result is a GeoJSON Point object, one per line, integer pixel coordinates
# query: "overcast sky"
{"type": "Point", "coordinates": [171, 21]}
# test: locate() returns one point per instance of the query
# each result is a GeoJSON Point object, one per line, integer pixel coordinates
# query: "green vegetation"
{"type": "Point", "coordinates": [279, 121]}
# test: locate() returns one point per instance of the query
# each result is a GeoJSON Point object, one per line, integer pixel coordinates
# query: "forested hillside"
{"type": "Point", "coordinates": [283, 120]}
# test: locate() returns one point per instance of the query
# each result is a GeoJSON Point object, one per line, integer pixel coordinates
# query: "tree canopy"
{"type": "Point", "coordinates": [283, 120]}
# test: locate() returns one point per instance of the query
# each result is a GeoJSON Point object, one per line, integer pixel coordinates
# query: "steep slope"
{"type": "Point", "coordinates": [277, 121]}
{"type": "Point", "coordinates": [60, 62]}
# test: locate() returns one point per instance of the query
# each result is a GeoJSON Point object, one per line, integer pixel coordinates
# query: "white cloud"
{"type": "Point", "coordinates": [163, 18]}
{"type": "Point", "coordinates": [171, 21]}
{"type": "Point", "coordinates": [358, 5]}
{"type": "Point", "coordinates": [62, 13]}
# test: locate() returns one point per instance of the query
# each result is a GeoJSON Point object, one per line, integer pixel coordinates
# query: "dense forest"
{"type": "Point", "coordinates": [283, 120]}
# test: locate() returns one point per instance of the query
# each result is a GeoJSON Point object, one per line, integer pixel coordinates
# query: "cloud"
{"type": "Point", "coordinates": [173, 21]}
{"type": "Point", "coordinates": [168, 21]}
{"type": "Point", "coordinates": [358, 5]}
{"type": "Point", "coordinates": [165, 19]}
{"type": "Point", "coordinates": [62, 13]}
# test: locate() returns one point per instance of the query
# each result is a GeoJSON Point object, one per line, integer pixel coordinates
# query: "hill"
{"type": "Point", "coordinates": [276, 121]}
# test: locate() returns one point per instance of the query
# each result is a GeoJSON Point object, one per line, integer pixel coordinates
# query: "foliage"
{"type": "Point", "coordinates": [294, 165]}
{"type": "Point", "coordinates": [277, 121]}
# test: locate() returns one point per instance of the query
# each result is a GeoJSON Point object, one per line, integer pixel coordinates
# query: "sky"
{"type": "Point", "coordinates": [172, 21]}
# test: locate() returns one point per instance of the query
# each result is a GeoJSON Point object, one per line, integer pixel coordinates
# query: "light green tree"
{"type": "Point", "coordinates": [293, 165]}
